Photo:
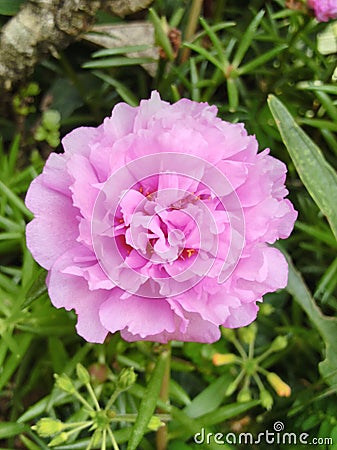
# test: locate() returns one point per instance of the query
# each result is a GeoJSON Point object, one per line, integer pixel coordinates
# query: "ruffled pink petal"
{"type": "Point", "coordinates": [241, 316]}
{"type": "Point", "coordinates": [139, 316]}
{"type": "Point", "coordinates": [53, 230]}
{"type": "Point", "coordinates": [71, 292]}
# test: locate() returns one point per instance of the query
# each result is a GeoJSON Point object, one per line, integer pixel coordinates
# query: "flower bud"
{"type": "Point", "coordinates": [279, 343]}
{"type": "Point", "coordinates": [126, 378]}
{"type": "Point", "coordinates": [282, 389]}
{"type": "Point", "coordinates": [155, 423]}
{"type": "Point", "coordinates": [60, 439]}
{"type": "Point", "coordinates": [82, 374]}
{"type": "Point", "coordinates": [46, 427]}
{"type": "Point", "coordinates": [232, 387]}
{"type": "Point", "coordinates": [64, 383]}
{"type": "Point", "coordinates": [248, 334]}
{"type": "Point", "coordinates": [244, 395]}
{"type": "Point", "coordinates": [220, 359]}
{"type": "Point", "coordinates": [228, 333]}
{"type": "Point", "coordinates": [266, 399]}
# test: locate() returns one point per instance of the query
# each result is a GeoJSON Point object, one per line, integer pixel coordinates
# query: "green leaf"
{"type": "Point", "coordinates": [14, 360]}
{"type": "Point", "coordinates": [125, 93]}
{"type": "Point", "coordinates": [10, 429]}
{"type": "Point", "coordinates": [149, 401]}
{"type": "Point", "coordinates": [120, 50]}
{"type": "Point", "coordinates": [326, 326]}
{"type": "Point", "coordinates": [37, 288]}
{"type": "Point", "coordinates": [10, 7]}
{"type": "Point", "coordinates": [206, 54]}
{"type": "Point", "coordinates": [15, 200]}
{"type": "Point", "coordinates": [218, 45]}
{"type": "Point", "coordinates": [247, 39]}
{"type": "Point", "coordinates": [161, 35]}
{"type": "Point", "coordinates": [209, 399]}
{"type": "Point", "coordinates": [227, 412]}
{"type": "Point", "coordinates": [117, 62]}
{"type": "Point", "coordinates": [260, 60]}
{"type": "Point", "coordinates": [316, 173]}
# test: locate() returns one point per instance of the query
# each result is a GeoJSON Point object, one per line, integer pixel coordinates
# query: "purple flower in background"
{"type": "Point", "coordinates": [324, 9]}
{"type": "Point", "coordinates": [157, 223]}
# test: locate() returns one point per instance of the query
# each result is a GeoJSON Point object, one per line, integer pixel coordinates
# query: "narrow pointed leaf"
{"type": "Point", "coordinates": [247, 39]}
{"type": "Point", "coordinates": [148, 403]}
{"type": "Point", "coordinates": [326, 326]}
{"type": "Point", "coordinates": [317, 175]}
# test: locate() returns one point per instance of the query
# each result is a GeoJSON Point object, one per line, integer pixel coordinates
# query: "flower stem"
{"type": "Point", "coordinates": [162, 435]}
{"type": "Point", "coordinates": [113, 440]}
{"type": "Point", "coordinates": [93, 396]}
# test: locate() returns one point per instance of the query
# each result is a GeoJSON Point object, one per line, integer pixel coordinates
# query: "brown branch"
{"type": "Point", "coordinates": [45, 26]}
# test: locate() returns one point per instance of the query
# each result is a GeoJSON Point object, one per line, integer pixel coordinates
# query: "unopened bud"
{"type": "Point", "coordinates": [60, 439]}
{"type": "Point", "coordinates": [220, 359]}
{"type": "Point", "coordinates": [46, 427]}
{"type": "Point", "coordinates": [228, 333]}
{"type": "Point", "coordinates": [279, 343]}
{"type": "Point", "coordinates": [82, 374]}
{"type": "Point", "coordinates": [232, 387]}
{"type": "Point", "coordinates": [248, 334]}
{"type": "Point", "coordinates": [155, 423]}
{"type": "Point", "coordinates": [266, 399]}
{"type": "Point", "coordinates": [282, 389]}
{"type": "Point", "coordinates": [244, 395]}
{"type": "Point", "coordinates": [64, 383]}
{"type": "Point", "coordinates": [126, 378]}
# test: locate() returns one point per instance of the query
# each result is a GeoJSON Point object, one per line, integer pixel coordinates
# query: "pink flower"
{"type": "Point", "coordinates": [157, 224]}
{"type": "Point", "coordinates": [324, 9]}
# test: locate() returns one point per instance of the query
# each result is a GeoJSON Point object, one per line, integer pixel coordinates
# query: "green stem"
{"type": "Point", "coordinates": [162, 434]}
{"type": "Point", "coordinates": [113, 440]}
{"type": "Point", "coordinates": [113, 398]}
{"type": "Point", "coordinates": [83, 400]}
{"type": "Point", "coordinates": [93, 396]}
{"type": "Point", "coordinates": [104, 440]}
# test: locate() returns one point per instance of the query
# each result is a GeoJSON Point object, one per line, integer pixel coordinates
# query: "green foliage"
{"type": "Point", "coordinates": [284, 367]}
{"type": "Point", "coordinates": [10, 7]}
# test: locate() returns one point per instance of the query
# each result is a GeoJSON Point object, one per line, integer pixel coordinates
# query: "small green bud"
{"type": "Point", "coordinates": [248, 334]}
{"type": "Point", "coordinates": [46, 427]}
{"type": "Point", "coordinates": [155, 423]}
{"type": "Point", "coordinates": [266, 399]}
{"type": "Point", "coordinates": [266, 309]}
{"type": "Point", "coordinates": [51, 120]}
{"type": "Point", "coordinates": [232, 387]}
{"type": "Point", "coordinates": [126, 378]}
{"type": "Point", "coordinates": [82, 374]}
{"type": "Point", "coordinates": [60, 439]}
{"type": "Point", "coordinates": [32, 89]}
{"type": "Point", "coordinates": [244, 395]}
{"type": "Point", "coordinates": [64, 383]}
{"type": "Point", "coordinates": [228, 333]}
{"type": "Point", "coordinates": [279, 343]}
{"type": "Point", "coordinates": [40, 134]}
